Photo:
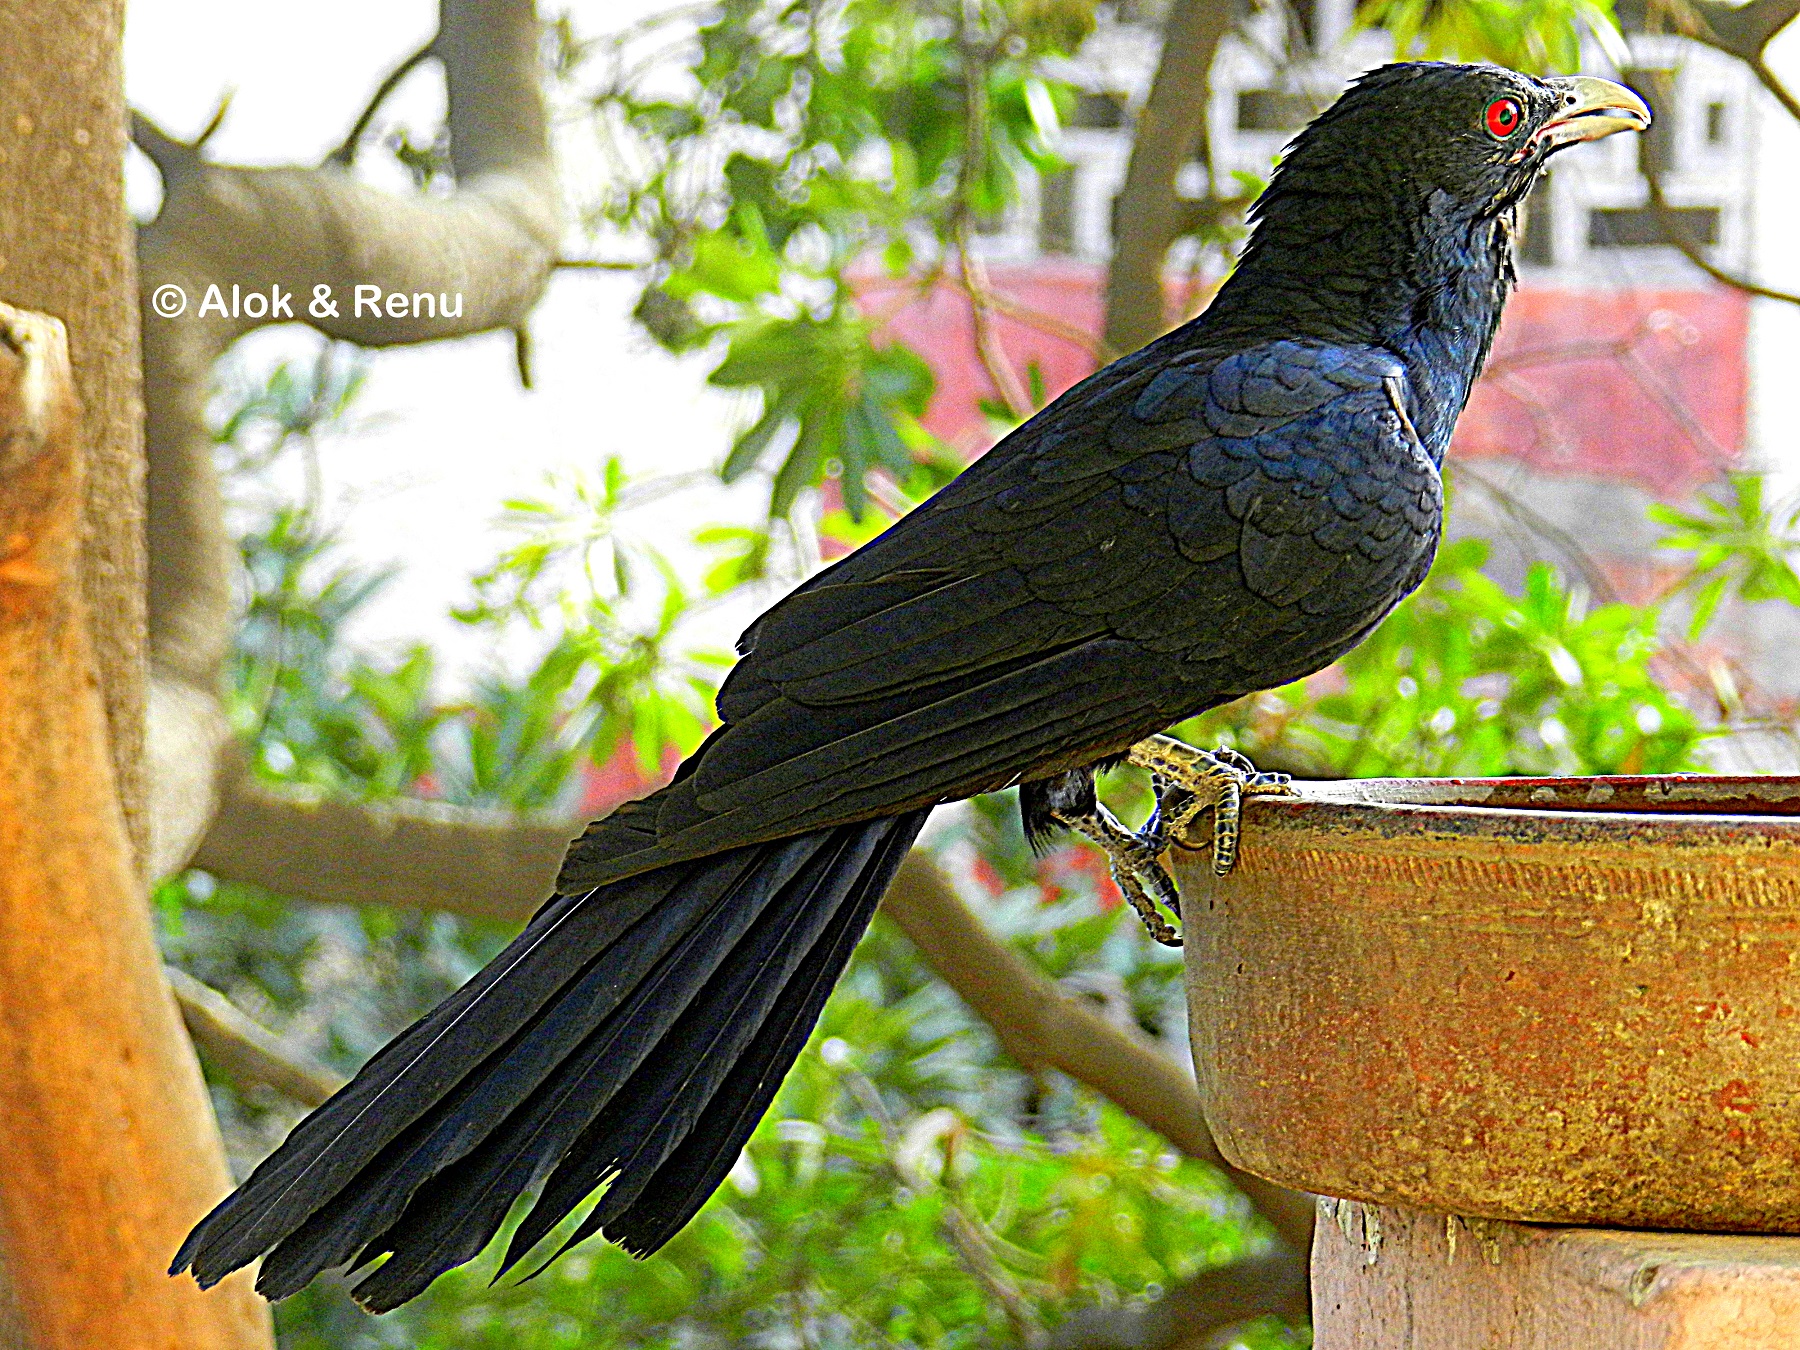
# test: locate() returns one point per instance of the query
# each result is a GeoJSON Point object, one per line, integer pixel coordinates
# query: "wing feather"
{"type": "Point", "coordinates": [1175, 534]}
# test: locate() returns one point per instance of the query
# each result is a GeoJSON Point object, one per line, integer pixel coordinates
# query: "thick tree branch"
{"type": "Point", "coordinates": [65, 249]}
{"type": "Point", "coordinates": [1147, 214]}
{"type": "Point", "coordinates": [1743, 31]}
{"type": "Point", "coordinates": [409, 854]}
{"type": "Point", "coordinates": [243, 1048]}
{"type": "Point", "coordinates": [481, 256]}
{"type": "Point", "coordinates": [110, 1147]}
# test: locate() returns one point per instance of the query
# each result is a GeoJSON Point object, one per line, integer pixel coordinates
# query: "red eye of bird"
{"type": "Point", "coordinates": [1503, 117]}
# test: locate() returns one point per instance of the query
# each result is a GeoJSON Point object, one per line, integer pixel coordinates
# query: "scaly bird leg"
{"type": "Point", "coordinates": [1070, 802]}
{"type": "Point", "coordinates": [1188, 780]}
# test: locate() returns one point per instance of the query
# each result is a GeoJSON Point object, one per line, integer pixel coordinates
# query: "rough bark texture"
{"type": "Point", "coordinates": [110, 1147]}
{"type": "Point", "coordinates": [1147, 214]}
{"type": "Point", "coordinates": [65, 250]}
{"type": "Point", "coordinates": [1387, 1278]}
{"type": "Point", "coordinates": [493, 242]}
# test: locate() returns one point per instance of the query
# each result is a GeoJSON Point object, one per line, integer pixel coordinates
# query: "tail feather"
{"type": "Point", "coordinates": [611, 1015]}
{"type": "Point", "coordinates": [699, 1164]}
{"type": "Point", "coordinates": [415, 1072]}
{"type": "Point", "coordinates": [452, 1218]}
{"type": "Point", "coordinates": [627, 1031]}
{"type": "Point", "coordinates": [716, 1059]}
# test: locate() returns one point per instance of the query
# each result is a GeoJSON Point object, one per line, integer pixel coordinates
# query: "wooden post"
{"type": "Point", "coordinates": [108, 1149]}
{"type": "Point", "coordinates": [1390, 1278]}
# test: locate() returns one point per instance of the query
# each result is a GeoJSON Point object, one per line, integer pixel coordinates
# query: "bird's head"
{"type": "Point", "coordinates": [1389, 219]}
{"type": "Point", "coordinates": [1391, 213]}
{"type": "Point", "coordinates": [1478, 134]}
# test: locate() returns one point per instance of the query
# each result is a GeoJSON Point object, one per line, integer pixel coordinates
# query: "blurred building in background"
{"type": "Point", "coordinates": [1621, 373]}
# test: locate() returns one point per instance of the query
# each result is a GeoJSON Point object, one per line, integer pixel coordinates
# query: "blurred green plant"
{"type": "Point", "coordinates": [1736, 544]}
{"type": "Point", "coordinates": [1539, 36]}
{"type": "Point", "coordinates": [1467, 679]}
{"type": "Point", "coordinates": [815, 143]}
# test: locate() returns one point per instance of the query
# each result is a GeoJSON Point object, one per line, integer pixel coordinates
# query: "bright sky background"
{"type": "Point", "coordinates": [451, 433]}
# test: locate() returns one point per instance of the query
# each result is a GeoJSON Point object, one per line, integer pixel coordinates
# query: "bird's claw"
{"type": "Point", "coordinates": [1188, 780]}
{"type": "Point", "coordinates": [1136, 867]}
{"type": "Point", "coordinates": [1143, 880]}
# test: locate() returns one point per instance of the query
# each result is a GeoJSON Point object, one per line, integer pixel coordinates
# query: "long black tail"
{"type": "Point", "coordinates": [637, 1032]}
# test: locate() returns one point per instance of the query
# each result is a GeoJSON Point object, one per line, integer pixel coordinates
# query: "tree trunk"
{"type": "Point", "coordinates": [66, 250]}
{"type": "Point", "coordinates": [1147, 214]}
{"type": "Point", "coordinates": [110, 1146]}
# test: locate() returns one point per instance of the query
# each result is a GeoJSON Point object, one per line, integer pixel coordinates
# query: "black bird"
{"type": "Point", "coordinates": [1228, 509]}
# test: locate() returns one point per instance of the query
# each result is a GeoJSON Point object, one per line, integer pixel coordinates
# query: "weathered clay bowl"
{"type": "Point", "coordinates": [1562, 1000]}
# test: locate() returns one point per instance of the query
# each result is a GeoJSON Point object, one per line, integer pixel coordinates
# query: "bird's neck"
{"type": "Point", "coordinates": [1428, 287]}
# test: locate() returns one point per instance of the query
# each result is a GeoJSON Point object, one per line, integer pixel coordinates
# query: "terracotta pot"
{"type": "Point", "coordinates": [1564, 1000]}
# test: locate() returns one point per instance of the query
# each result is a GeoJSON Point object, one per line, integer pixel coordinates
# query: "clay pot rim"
{"type": "Point", "coordinates": [1667, 810]}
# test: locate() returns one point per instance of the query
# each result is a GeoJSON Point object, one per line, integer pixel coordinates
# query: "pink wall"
{"type": "Point", "coordinates": [1648, 387]}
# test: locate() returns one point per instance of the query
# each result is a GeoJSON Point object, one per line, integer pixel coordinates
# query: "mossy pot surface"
{"type": "Point", "coordinates": [1559, 1000]}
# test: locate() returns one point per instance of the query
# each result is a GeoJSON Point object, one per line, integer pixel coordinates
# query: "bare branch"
{"type": "Point", "coordinates": [474, 261]}
{"type": "Point", "coordinates": [1045, 322]}
{"type": "Point", "coordinates": [243, 1047]}
{"type": "Point", "coordinates": [1678, 237]}
{"type": "Point", "coordinates": [993, 356]}
{"type": "Point", "coordinates": [1743, 31]}
{"type": "Point", "coordinates": [1513, 506]}
{"type": "Point", "coordinates": [345, 155]}
{"type": "Point", "coordinates": [1772, 82]}
{"type": "Point", "coordinates": [410, 854]}
{"type": "Point", "coordinates": [597, 265]}
{"type": "Point", "coordinates": [214, 122]}
{"type": "Point", "coordinates": [1043, 1027]}
{"type": "Point", "coordinates": [1147, 212]}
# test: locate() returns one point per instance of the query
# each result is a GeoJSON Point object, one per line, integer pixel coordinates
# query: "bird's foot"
{"type": "Point", "coordinates": [1187, 781]}
{"type": "Point", "coordinates": [1136, 866]}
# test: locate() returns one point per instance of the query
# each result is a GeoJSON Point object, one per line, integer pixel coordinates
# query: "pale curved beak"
{"type": "Point", "coordinates": [1591, 108]}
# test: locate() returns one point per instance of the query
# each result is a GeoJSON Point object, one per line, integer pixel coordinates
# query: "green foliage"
{"type": "Point", "coordinates": [1466, 679]}
{"type": "Point", "coordinates": [816, 137]}
{"type": "Point", "coordinates": [842, 400]}
{"type": "Point", "coordinates": [1736, 544]}
{"type": "Point", "coordinates": [620, 670]}
{"type": "Point", "coordinates": [1540, 36]}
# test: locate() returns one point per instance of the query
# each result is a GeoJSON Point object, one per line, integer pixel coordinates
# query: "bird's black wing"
{"type": "Point", "coordinates": [1171, 534]}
